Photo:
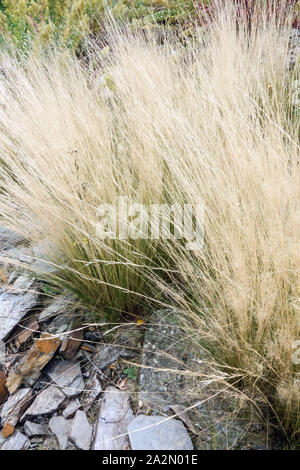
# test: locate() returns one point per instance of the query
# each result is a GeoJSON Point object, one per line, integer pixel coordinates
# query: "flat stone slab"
{"type": "Point", "coordinates": [60, 324]}
{"type": "Point", "coordinates": [294, 51]}
{"type": "Point", "coordinates": [20, 253]}
{"type": "Point", "coordinates": [28, 369]}
{"type": "Point", "coordinates": [127, 345]}
{"type": "Point", "coordinates": [47, 401]}
{"type": "Point", "coordinates": [71, 408]}
{"type": "Point", "coordinates": [106, 355]}
{"type": "Point", "coordinates": [93, 389]}
{"type": "Point", "coordinates": [2, 440]}
{"type": "Point", "coordinates": [163, 352]}
{"type": "Point", "coordinates": [9, 238]}
{"type": "Point", "coordinates": [114, 417]}
{"type": "Point", "coordinates": [60, 426]}
{"type": "Point", "coordinates": [59, 306]}
{"type": "Point", "coordinates": [81, 431]}
{"type": "Point", "coordinates": [17, 441]}
{"type": "Point", "coordinates": [15, 406]}
{"type": "Point", "coordinates": [67, 376]}
{"type": "Point", "coordinates": [32, 429]}
{"type": "Point", "coordinates": [44, 252]}
{"type": "Point", "coordinates": [158, 433]}
{"type": "Point", "coordinates": [15, 303]}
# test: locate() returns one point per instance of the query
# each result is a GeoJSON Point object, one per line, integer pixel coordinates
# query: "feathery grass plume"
{"type": "Point", "coordinates": [217, 121]}
{"type": "Point", "coordinates": [242, 290]}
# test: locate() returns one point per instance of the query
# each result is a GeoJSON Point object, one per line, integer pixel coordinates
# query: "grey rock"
{"type": "Point", "coordinates": [12, 276]}
{"type": "Point", "coordinates": [44, 267]}
{"type": "Point", "coordinates": [15, 304]}
{"type": "Point", "coordinates": [163, 349]}
{"type": "Point", "coordinates": [114, 418]}
{"type": "Point", "coordinates": [71, 408]}
{"type": "Point", "coordinates": [158, 433]}
{"type": "Point", "coordinates": [2, 440]}
{"type": "Point", "coordinates": [93, 336]}
{"type": "Point", "coordinates": [60, 426]}
{"type": "Point", "coordinates": [93, 389]}
{"type": "Point", "coordinates": [67, 375]}
{"type": "Point", "coordinates": [44, 253]}
{"type": "Point", "coordinates": [36, 442]}
{"type": "Point", "coordinates": [29, 367]}
{"type": "Point", "coordinates": [184, 417]}
{"type": "Point", "coordinates": [17, 441]}
{"type": "Point", "coordinates": [47, 401]}
{"type": "Point", "coordinates": [21, 284]}
{"type": "Point", "coordinates": [20, 253]}
{"type": "Point", "coordinates": [106, 355]}
{"type": "Point", "coordinates": [109, 353]}
{"type": "Point", "coordinates": [223, 425]}
{"type": "Point", "coordinates": [217, 422]}
{"type": "Point", "coordinates": [61, 324]}
{"type": "Point", "coordinates": [9, 238]}
{"type": "Point", "coordinates": [15, 406]}
{"type": "Point", "coordinates": [32, 429]}
{"type": "Point", "coordinates": [81, 431]}
{"type": "Point", "coordinates": [58, 306]}
{"type": "Point", "coordinates": [2, 352]}
{"type": "Point", "coordinates": [294, 48]}
{"type": "Point", "coordinates": [129, 338]}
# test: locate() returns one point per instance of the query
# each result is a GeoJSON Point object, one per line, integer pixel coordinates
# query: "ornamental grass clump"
{"type": "Point", "coordinates": [214, 121]}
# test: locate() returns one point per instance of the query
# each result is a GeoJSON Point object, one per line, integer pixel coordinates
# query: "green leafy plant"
{"type": "Point", "coordinates": [33, 23]}
{"type": "Point", "coordinates": [131, 373]}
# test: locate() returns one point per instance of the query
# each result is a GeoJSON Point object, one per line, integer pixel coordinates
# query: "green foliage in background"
{"type": "Point", "coordinates": [27, 23]}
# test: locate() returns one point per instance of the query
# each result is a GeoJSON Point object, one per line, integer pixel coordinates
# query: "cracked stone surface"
{"type": "Point", "coordinates": [25, 330]}
{"type": "Point", "coordinates": [9, 238]}
{"type": "Point", "coordinates": [47, 401]}
{"type": "Point", "coordinates": [106, 355]}
{"type": "Point", "coordinates": [223, 426]}
{"type": "Point", "coordinates": [59, 305]}
{"type": "Point", "coordinates": [2, 440]}
{"type": "Point", "coordinates": [294, 51]}
{"type": "Point", "coordinates": [44, 251]}
{"type": "Point", "coordinates": [71, 408]}
{"type": "Point", "coordinates": [17, 441]}
{"type": "Point", "coordinates": [114, 418]}
{"type": "Point", "coordinates": [21, 253]}
{"type": "Point", "coordinates": [60, 426]}
{"type": "Point", "coordinates": [28, 369]}
{"type": "Point", "coordinates": [163, 349]}
{"type": "Point", "coordinates": [32, 429]}
{"type": "Point", "coordinates": [15, 406]}
{"type": "Point", "coordinates": [15, 303]}
{"type": "Point", "coordinates": [67, 376]}
{"type": "Point", "coordinates": [81, 431]}
{"type": "Point", "coordinates": [93, 389]}
{"type": "Point", "coordinates": [157, 433]}
{"type": "Point", "coordinates": [60, 324]}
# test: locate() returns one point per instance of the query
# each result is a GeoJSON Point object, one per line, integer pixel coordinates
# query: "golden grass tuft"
{"type": "Point", "coordinates": [215, 120]}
